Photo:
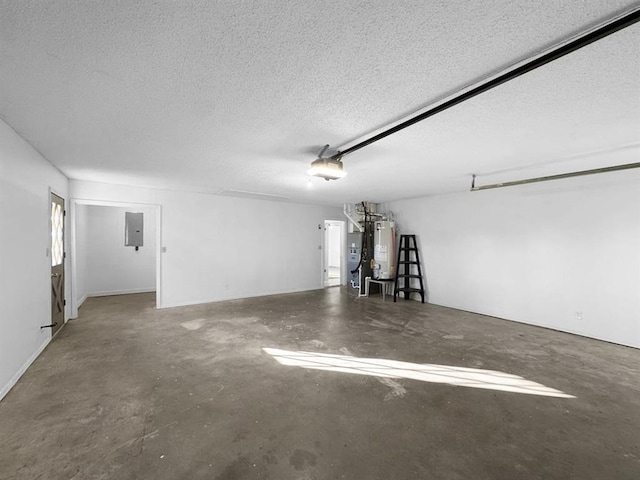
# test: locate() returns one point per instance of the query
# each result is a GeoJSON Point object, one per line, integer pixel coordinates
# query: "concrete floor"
{"type": "Point", "coordinates": [130, 392]}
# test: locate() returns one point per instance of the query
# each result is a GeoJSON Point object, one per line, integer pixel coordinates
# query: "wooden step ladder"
{"type": "Point", "coordinates": [408, 246]}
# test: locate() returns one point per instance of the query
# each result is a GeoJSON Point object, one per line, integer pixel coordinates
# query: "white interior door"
{"type": "Point", "coordinates": [333, 252]}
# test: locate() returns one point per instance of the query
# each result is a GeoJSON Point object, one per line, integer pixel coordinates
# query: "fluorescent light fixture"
{"type": "Point", "coordinates": [327, 168]}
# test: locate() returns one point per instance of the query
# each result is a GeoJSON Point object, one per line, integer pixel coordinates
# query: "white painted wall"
{"type": "Point", "coordinates": [537, 253]}
{"type": "Point", "coordinates": [104, 265]}
{"type": "Point", "coordinates": [222, 247]}
{"type": "Point", "coordinates": [25, 240]}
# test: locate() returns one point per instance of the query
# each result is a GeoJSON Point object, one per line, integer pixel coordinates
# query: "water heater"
{"type": "Point", "coordinates": [384, 247]}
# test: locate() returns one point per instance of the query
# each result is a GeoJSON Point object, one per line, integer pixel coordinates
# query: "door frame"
{"type": "Point", "coordinates": [65, 260]}
{"type": "Point", "coordinates": [73, 207]}
{"type": "Point", "coordinates": [325, 254]}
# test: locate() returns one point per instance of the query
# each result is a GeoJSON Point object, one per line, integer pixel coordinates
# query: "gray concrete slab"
{"type": "Point", "coordinates": [130, 392]}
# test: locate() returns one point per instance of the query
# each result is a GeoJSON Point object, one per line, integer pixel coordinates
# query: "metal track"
{"type": "Point", "coordinates": [589, 37]}
{"type": "Point", "coordinates": [553, 177]}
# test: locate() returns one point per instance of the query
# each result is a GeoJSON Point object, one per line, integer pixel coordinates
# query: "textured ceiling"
{"type": "Point", "coordinates": [231, 96]}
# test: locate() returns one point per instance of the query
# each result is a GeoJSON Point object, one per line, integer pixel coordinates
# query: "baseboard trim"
{"type": "Point", "coordinates": [224, 299]}
{"type": "Point", "coordinates": [118, 292]}
{"type": "Point", "coordinates": [81, 301]}
{"type": "Point", "coordinates": [545, 326]}
{"type": "Point", "coordinates": [7, 388]}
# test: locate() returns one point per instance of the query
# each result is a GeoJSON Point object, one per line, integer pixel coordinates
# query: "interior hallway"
{"type": "Point", "coordinates": [130, 392]}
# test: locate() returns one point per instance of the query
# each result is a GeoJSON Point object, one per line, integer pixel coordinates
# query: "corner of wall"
{"type": "Point", "coordinates": [6, 388]}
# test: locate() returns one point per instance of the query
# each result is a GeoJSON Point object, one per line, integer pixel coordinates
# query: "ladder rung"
{"type": "Point", "coordinates": [406, 275]}
{"type": "Point", "coordinates": [408, 262]}
{"type": "Point", "coordinates": [409, 249]}
{"type": "Point", "coordinates": [409, 290]}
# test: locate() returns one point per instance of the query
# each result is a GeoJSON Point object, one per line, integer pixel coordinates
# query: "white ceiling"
{"type": "Point", "coordinates": [242, 95]}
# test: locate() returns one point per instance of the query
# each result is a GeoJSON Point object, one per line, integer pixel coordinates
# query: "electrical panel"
{"type": "Point", "coordinates": [133, 229]}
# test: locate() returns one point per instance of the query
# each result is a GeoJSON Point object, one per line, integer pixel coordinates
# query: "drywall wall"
{"type": "Point", "coordinates": [220, 247]}
{"type": "Point", "coordinates": [561, 254]}
{"type": "Point", "coordinates": [104, 266]}
{"type": "Point", "coordinates": [25, 240]}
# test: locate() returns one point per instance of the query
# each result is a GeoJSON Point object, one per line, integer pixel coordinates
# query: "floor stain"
{"type": "Point", "coordinates": [243, 468]}
{"type": "Point", "coordinates": [397, 390]}
{"type": "Point", "coordinates": [193, 324]}
{"type": "Point", "coordinates": [414, 327]}
{"type": "Point", "coordinates": [270, 458]}
{"type": "Point", "coordinates": [240, 436]}
{"type": "Point", "coordinates": [386, 325]}
{"type": "Point", "coordinates": [302, 458]}
{"type": "Point", "coordinates": [239, 468]}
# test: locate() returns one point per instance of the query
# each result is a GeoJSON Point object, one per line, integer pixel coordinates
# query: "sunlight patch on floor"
{"type": "Point", "coordinates": [379, 367]}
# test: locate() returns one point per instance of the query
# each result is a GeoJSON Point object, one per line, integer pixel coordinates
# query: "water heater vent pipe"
{"type": "Point", "coordinates": [346, 209]}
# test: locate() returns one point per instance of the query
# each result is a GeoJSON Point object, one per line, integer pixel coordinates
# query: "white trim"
{"type": "Point", "coordinates": [325, 254]}
{"type": "Point", "coordinates": [533, 323]}
{"type": "Point", "coordinates": [249, 295]}
{"type": "Point", "coordinates": [66, 247]}
{"type": "Point", "coordinates": [72, 258]}
{"type": "Point", "coordinates": [343, 253]}
{"type": "Point", "coordinates": [159, 256]}
{"type": "Point", "coordinates": [324, 251]}
{"type": "Point", "coordinates": [11, 383]}
{"type": "Point", "coordinates": [118, 292]}
{"type": "Point", "coordinates": [81, 301]}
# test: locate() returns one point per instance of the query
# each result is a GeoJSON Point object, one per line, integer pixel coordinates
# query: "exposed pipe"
{"type": "Point", "coordinates": [347, 213]}
{"type": "Point", "coordinates": [553, 177]}
{"type": "Point", "coordinates": [598, 33]}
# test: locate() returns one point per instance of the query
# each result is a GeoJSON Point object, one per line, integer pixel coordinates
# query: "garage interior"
{"type": "Point", "coordinates": [185, 296]}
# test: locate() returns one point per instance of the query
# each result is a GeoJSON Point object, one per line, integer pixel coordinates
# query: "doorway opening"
{"type": "Point", "coordinates": [333, 252]}
{"type": "Point", "coordinates": [57, 264]}
{"type": "Point", "coordinates": [110, 254]}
